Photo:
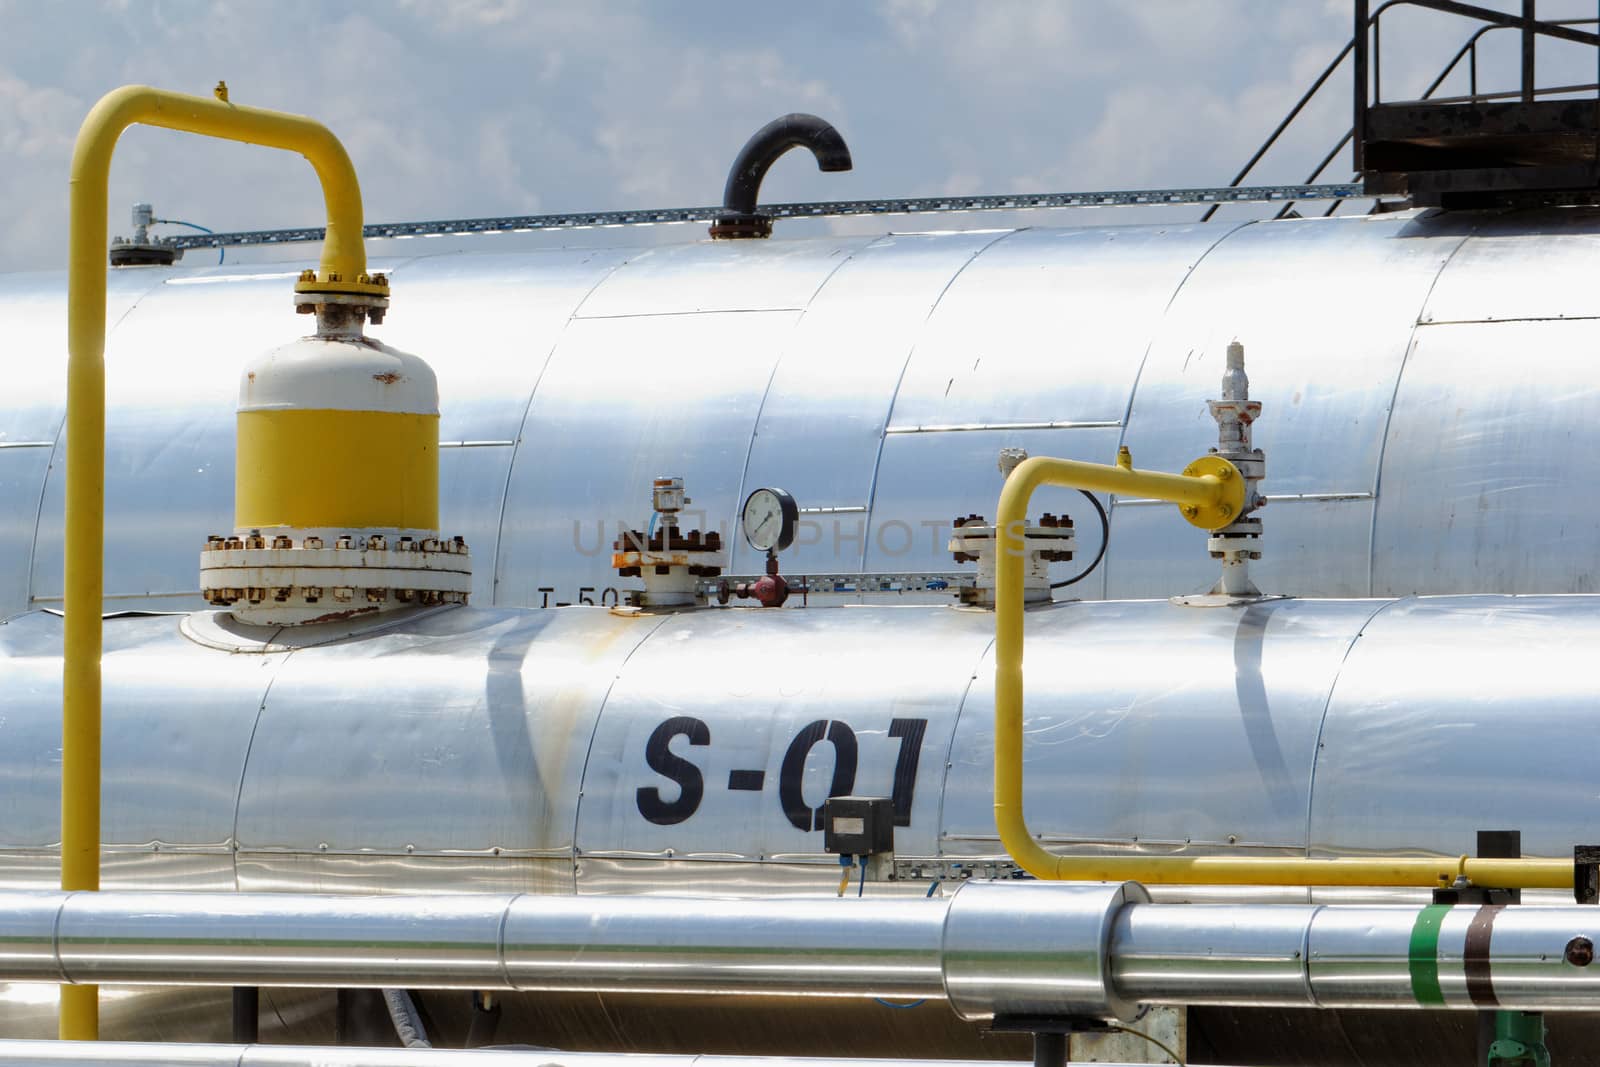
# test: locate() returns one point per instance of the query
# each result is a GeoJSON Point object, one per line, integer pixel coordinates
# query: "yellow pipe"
{"type": "Point", "coordinates": [343, 267]}
{"type": "Point", "coordinates": [1210, 496]}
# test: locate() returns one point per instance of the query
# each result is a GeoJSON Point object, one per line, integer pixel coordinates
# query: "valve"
{"type": "Point", "coordinates": [1240, 541]}
{"type": "Point", "coordinates": [668, 560]}
{"type": "Point", "coordinates": [973, 540]}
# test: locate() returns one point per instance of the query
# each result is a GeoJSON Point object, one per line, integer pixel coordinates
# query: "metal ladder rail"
{"type": "Point", "coordinates": [1468, 51]}
{"type": "Point", "coordinates": [1468, 48]}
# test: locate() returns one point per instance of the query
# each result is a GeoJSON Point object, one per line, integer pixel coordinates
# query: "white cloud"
{"type": "Point", "coordinates": [476, 107]}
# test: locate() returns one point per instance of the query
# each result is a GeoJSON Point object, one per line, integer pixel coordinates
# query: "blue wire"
{"type": "Point", "coordinates": [862, 888]}
{"type": "Point", "coordinates": [880, 1000]}
{"type": "Point", "coordinates": [221, 251]}
{"type": "Point", "coordinates": [933, 887]}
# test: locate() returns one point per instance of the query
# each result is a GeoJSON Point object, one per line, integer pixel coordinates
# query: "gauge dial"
{"type": "Point", "coordinates": [769, 519]}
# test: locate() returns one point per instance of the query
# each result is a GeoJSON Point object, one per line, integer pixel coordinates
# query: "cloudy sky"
{"type": "Point", "coordinates": [485, 107]}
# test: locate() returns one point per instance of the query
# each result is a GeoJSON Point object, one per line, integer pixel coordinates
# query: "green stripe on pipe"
{"type": "Point", "coordinates": [1424, 955]}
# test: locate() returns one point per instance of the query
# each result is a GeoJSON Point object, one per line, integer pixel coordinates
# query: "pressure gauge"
{"type": "Point", "coordinates": [769, 519]}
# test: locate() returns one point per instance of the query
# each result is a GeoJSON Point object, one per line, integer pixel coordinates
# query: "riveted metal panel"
{"type": "Point", "coordinates": [1459, 714]}
{"type": "Point", "coordinates": [487, 324]}
{"type": "Point", "coordinates": [721, 276]}
{"type": "Point", "coordinates": [472, 482]}
{"type": "Point", "coordinates": [483, 716]}
{"type": "Point", "coordinates": [1488, 476]}
{"type": "Point", "coordinates": [1323, 369]}
{"type": "Point", "coordinates": [1047, 326]}
{"type": "Point", "coordinates": [727, 731]}
{"type": "Point", "coordinates": [1509, 269]}
{"type": "Point", "coordinates": [34, 310]}
{"type": "Point", "coordinates": [622, 402]}
{"type": "Point", "coordinates": [925, 480]}
{"type": "Point", "coordinates": [172, 383]}
{"type": "Point", "coordinates": [172, 754]}
{"type": "Point", "coordinates": [1312, 547]}
{"type": "Point", "coordinates": [1198, 734]}
{"type": "Point", "coordinates": [22, 474]}
{"type": "Point", "coordinates": [824, 413]}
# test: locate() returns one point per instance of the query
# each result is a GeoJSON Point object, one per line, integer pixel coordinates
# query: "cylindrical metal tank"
{"type": "Point", "coordinates": [1424, 377]}
{"type": "Point", "coordinates": [594, 751]}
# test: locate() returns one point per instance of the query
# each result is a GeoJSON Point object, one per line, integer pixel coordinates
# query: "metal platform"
{"type": "Point", "coordinates": [1533, 144]}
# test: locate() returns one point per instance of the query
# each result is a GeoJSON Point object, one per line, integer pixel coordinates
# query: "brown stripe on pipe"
{"type": "Point", "coordinates": [1475, 956]}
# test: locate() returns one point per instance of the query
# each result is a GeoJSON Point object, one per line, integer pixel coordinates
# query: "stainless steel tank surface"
{"type": "Point", "coordinates": [1427, 419]}
{"type": "Point", "coordinates": [595, 751]}
{"type": "Point", "coordinates": [1428, 425]}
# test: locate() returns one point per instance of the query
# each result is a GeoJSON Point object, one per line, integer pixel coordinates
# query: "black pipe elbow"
{"type": "Point", "coordinates": [739, 217]}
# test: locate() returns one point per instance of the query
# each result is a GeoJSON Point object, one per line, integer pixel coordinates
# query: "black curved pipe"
{"type": "Point", "coordinates": [799, 130]}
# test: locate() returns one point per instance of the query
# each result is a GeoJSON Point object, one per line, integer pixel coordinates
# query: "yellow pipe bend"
{"type": "Point", "coordinates": [344, 263]}
{"type": "Point", "coordinates": [1196, 491]}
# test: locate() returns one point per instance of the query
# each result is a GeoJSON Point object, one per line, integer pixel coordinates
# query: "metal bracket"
{"type": "Point", "coordinates": [826, 209]}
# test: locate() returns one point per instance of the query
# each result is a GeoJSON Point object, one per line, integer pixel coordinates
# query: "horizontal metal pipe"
{"type": "Point", "coordinates": [991, 948]}
{"type": "Point", "coordinates": [117, 1053]}
{"type": "Point", "coordinates": [580, 944]}
{"type": "Point", "coordinates": [1326, 956]}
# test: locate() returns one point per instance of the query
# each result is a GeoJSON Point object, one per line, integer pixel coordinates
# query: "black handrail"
{"type": "Point", "coordinates": [1469, 48]}
{"type": "Point", "coordinates": [1529, 25]}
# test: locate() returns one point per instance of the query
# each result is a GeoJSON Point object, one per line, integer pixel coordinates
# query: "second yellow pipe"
{"type": "Point", "coordinates": [1209, 495]}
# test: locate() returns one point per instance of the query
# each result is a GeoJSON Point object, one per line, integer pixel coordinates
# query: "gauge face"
{"type": "Point", "coordinates": [769, 519]}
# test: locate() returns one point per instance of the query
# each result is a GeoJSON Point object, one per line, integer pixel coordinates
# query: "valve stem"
{"type": "Point", "coordinates": [1240, 541]}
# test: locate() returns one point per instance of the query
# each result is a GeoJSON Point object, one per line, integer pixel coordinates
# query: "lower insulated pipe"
{"type": "Point", "coordinates": [996, 949]}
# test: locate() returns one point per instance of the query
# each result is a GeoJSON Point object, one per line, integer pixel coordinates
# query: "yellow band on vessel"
{"type": "Point", "coordinates": [351, 469]}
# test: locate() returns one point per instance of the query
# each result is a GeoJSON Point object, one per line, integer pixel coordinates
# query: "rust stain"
{"type": "Point", "coordinates": [341, 616]}
{"type": "Point", "coordinates": [388, 377]}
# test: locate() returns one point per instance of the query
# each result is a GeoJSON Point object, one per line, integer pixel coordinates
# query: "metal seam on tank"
{"type": "Point", "coordinates": [772, 376]}
{"type": "Point", "coordinates": [1388, 417]}
{"type": "Point", "coordinates": [944, 954]}
{"type": "Point", "coordinates": [894, 394]}
{"type": "Point", "coordinates": [1508, 319]}
{"type": "Point", "coordinates": [55, 449]}
{"type": "Point", "coordinates": [522, 425]}
{"type": "Point", "coordinates": [692, 312]}
{"type": "Point", "coordinates": [1305, 955]}
{"type": "Point", "coordinates": [55, 938]}
{"type": "Point", "coordinates": [1138, 376]}
{"type": "Point", "coordinates": [588, 751]}
{"type": "Point", "coordinates": [500, 939]}
{"type": "Point", "coordinates": [244, 764]}
{"type": "Point", "coordinates": [1322, 722]}
{"type": "Point", "coordinates": [984, 655]}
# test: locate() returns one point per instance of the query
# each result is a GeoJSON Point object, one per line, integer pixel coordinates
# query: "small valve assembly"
{"type": "Point", "coordinates": [669, 561]}
{"type": "Point", "coordinates": [1050, 540]}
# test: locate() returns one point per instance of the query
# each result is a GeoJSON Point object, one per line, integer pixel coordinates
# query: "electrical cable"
{"type": "Point", "coordinates": [1171, 1055]}
{"type": "Point", "coordinates": [1105, 536]}
{"type": "Point", "coordinates": [861, 889]}
{"type": "Point", "coordinates": [844, 874]}
{"type": "Point", "coordinates": [221, 249]}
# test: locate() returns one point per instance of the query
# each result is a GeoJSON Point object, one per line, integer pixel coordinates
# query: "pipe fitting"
{"type": "Point", "coordinates": [739, 218]}
{"type": "Point", "coordinates": [1026, 949]}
